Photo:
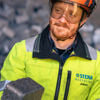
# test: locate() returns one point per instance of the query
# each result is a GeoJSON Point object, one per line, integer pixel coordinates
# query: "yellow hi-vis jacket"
{"type": "Point", "coordinates": [76, 79]}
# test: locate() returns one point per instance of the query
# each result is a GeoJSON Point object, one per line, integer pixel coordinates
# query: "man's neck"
{"type": "Point", "coordinates": [63, 44]}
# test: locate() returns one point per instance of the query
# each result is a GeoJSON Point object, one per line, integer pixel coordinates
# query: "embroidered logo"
{"type": "Point", "coordinates": [84, 78]}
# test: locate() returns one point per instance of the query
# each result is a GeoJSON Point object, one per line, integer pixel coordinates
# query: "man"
{"type": "Point", "coordinates": [58, 58]}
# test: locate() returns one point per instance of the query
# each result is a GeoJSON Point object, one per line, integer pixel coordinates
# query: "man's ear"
{"type": "Point", "coordinates": [83, 21]}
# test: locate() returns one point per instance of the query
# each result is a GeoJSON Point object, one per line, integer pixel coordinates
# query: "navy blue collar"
{"type": "Point", "coordinates": [70, 48]}
{"type": "Point", "coordinates": [45, 47]}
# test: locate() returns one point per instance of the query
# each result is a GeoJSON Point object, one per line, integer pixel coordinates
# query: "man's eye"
{"type": "Point", "coordinates": [58, 11]}
{"type": "Point", "coordinates": [71, 14]}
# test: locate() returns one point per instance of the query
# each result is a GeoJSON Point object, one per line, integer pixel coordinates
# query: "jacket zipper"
{"type": "Point", "coordinates": [67, 85]}
{"type": "Point", "coordinates": [58, 82]}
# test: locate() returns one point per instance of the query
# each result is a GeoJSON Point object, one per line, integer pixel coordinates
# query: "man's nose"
{"type": "Point", "coordinates": [63, 19]}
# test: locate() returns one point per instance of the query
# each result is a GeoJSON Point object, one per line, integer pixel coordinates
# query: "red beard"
{"type": "Point", "coordinates": [62, 31]}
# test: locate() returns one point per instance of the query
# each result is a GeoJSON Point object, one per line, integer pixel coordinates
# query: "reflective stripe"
{"type": "Point", "coordinates": [97, 99]}
{"type": "Point", "coordinates": [37, 44]}
{"type": "Point", "coordinates": [93, 52]}
{"type": "Point", "coordinates": [30, 43]}
{"type": "Point", "coordinates": [3, 84]}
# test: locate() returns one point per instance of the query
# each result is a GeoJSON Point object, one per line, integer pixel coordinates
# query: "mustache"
{"type": "Point", "coordinates": [62, 25]}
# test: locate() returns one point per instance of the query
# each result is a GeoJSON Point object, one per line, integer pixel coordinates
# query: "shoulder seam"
{"type": "Point", "coordinates": [93, 52]}
{"type": "Point", "coordinates": [30, 43]}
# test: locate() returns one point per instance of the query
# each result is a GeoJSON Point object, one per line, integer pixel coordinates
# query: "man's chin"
{"type": "Point", "coordinates": [60, 33]}
{"type": "Point", "coordinates": [60, 37]}
{"type": "Point", "coordinates": [61, 30]}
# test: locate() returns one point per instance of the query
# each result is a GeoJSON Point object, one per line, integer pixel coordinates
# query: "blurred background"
{"type": "Point", "coordinates": [21, 19]}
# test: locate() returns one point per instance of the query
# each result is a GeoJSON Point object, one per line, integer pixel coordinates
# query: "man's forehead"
{"type": "Point", "coordinates": [66, 5]}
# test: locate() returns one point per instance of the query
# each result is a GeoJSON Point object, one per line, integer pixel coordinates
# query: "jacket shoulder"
{"type": "Point", "coordinates": [98, 55]}
{"type": "Point", "coordinates": [29, 43]}
{"type": "Point", "coordinates": [92, 52]}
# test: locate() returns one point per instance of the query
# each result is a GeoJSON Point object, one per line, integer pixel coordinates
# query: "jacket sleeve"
{"type": "Point", "coordinates": [14, 66]}
{"type": "Point", "coordinates": [95, 90]}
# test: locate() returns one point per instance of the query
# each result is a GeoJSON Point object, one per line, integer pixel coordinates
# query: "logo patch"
{"type": "Point", "coordinates": [84, 78]}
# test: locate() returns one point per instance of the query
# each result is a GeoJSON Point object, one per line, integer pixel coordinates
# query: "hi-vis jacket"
{"type": "Point", "coordinates": [77, 79]}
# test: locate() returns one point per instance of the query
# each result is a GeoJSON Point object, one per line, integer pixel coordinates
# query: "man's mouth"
{"type": "Point", "coordinates": [61, 26]}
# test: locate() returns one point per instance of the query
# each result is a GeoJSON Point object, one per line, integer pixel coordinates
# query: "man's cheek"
{"type": "Point", "coordinates": [52, 26]}
{"type": "Point", "coordinates": [52, 21]}
{"type": "Point", "coordinates": [73, 28]}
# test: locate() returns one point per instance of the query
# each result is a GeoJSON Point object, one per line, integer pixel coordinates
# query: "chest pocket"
{"type": "Point", "coordinates": [82, 76]}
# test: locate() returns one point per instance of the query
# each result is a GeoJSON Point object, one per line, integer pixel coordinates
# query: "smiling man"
{"type": "Point", "coordinates": [66, 18]}
{"type": "Point", "coordinates": [58, 58]}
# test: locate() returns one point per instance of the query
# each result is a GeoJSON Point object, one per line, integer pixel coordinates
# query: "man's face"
{"type": "Point", "coordinates": [64, 20]}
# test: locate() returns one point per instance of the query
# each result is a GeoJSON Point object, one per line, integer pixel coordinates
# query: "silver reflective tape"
{"type": "Point", "coordinates": [37, 44]}
{"type": "Point", "coordinates": [97, 99]}
{"type": "Point", "coordinates": [30, 43]}
{"type": "Point", "coordinates": [93, 52]}
{"type": "Point", "coordinates": [3, 84]}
